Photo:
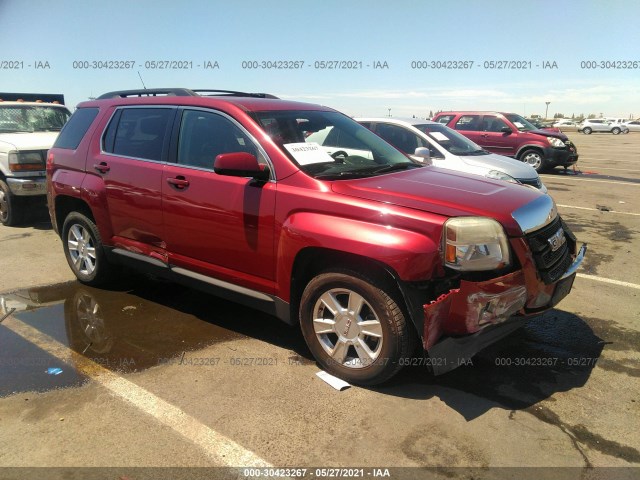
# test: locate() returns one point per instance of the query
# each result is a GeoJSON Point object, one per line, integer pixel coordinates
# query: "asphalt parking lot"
{"type": "Point", "coordinates": [156, 375]}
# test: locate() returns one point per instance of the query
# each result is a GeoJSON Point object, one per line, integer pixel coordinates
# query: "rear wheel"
{"type": "Point", "coordinates": [11, 212]}
{"type": "Point", "coordinates": [354, 329]}
{"type": "Point", "coordinates": [533, 158]}
{"type": "Point", "coordinates": [615, 130]}
{"type": "Point", "coordinates": [84, 250]}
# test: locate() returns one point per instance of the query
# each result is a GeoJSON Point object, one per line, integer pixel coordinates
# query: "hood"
{"type": "Point", "coordinates": [444, 192]}
{"type": "Point", "coordinates": [493, 161]}
{"type": "Point", "coordinates": [28, 140]}
{"type": "Point", "coordinates": [550, 133]}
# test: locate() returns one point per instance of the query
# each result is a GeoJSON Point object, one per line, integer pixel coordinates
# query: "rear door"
{"type": "Point", "coordinates": [218, 226]}
{"type": "Point", "coordinates": [132, 151]}
{"type": "Point", "coordinates": [470, 127]}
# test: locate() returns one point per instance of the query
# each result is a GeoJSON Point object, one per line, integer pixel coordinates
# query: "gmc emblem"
{"type": "Point", "coordinates": [557, 240]}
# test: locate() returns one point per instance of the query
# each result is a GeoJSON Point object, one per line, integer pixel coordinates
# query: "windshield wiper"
{"type": "Point", "coordinates": [476, 152]}
{"type": "Point", "coordinates": [368, 172]}
{"type": "Point", "coordinates": [396, 166]}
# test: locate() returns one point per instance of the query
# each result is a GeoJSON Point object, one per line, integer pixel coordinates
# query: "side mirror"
{"type": "Point", "coordinates": [423, 155]}
{"type": "Point", "coordinates": [240, 164]}
{"type": "Point", "coordinates": [506, 130]}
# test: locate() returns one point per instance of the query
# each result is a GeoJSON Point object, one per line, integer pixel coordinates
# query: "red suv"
{"type": "Point", "coordinates": [511, 135]}
{"type": "Point", "coordinates": [364, 248]}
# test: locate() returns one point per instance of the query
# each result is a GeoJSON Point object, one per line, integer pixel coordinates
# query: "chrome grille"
{"type": "Point", "coordinates": [551, 264]}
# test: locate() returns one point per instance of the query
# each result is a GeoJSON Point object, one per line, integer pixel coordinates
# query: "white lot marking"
{"type": "Point", "coordinates": [590, 180]}
{"type": "Point", "coordinates": [222, 450]}
{"type": "Point", "coordinates": [598, 210]}
{"type": "Point", "coordinates": [608, 280]}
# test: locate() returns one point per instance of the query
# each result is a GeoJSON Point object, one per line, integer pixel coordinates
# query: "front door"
{"type": "Point", "coordinates": [218, 226]}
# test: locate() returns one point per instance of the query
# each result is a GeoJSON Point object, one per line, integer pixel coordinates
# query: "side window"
{"type": "Point", "coordinates": [205, 135]}
{"type": "Point", "coordinates": [445, 119]}
{"type": "Point", "coordinates": [400, 138]}
{"type": "Point", "coordinates": [137, 133]}
{"type": "Point", "coordinates": [468, 122]}
{"type": "Point", "coordinates": [72, 133]}
{"type": "Point", "coordinates": [492, 124]}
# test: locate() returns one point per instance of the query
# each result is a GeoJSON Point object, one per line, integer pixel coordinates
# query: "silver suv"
{"type": "Point", "coordinates": [590, 125]}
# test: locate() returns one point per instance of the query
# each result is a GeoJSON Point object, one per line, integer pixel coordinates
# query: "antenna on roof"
{"type": "Point", "coordinates": [145, 87]}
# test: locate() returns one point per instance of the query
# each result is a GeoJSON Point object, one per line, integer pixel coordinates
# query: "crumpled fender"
{"type": "Point", "coordinates": [411, 255]}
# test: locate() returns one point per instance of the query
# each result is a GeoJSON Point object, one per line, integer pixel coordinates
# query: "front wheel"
{"type": "Point", "coordinates": [354, 329]}
{"type": "Point", "coordinates": [10, 212]}
{"type": "Point", "coordinates": [586, 131]}
{"type": "Point", "coordinates": [84, 251]}
{"type": "Point", "coordinates": [533, 158]}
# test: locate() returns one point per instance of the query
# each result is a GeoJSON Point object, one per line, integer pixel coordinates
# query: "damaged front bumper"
{"type": "Point", "coordinates": [467, 319]}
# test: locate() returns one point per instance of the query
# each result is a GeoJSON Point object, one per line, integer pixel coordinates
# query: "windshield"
{"type": "Point", "coordinates": [330, 145]}
{"type": "Point", "coordinates": [32, 118]}
{"type": "Point", "coordinates": [520, 123]}
{"type": "Point", "coordinates": [450, 140]}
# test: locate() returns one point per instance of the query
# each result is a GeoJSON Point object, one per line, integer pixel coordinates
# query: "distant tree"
{"type": "Point", "coordinates": [430, 113]}
{"type": "Point", "coordinates": [573, 116]}
{"type": "Point", "coordinates": [591, 115]}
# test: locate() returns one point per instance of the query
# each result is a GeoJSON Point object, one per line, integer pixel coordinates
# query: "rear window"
{"type": "Point", "coordinates": [75, 129]}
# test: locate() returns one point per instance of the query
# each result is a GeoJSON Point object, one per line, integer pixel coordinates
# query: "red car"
{"type": "Point", "coordinates": [511, 135]}
{"type": "Point", "coordinates": [367, 250]}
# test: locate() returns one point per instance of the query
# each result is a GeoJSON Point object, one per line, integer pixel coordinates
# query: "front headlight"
{"type": "Point", "coordinates": [555, 142]}
{"type": "Point", "coordinates": [498, 175]}
{"type": "Point", "coordinates": [21, 161]}
{"type": "Point", "coordinates": [474, 244]}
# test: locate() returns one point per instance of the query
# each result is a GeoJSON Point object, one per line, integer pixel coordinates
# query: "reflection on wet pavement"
{"type": "Point", "coordinates": [123, 331]}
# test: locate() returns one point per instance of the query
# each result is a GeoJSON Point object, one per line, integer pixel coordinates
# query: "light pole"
{"type": "Point", "coordinates": [546, 112]}
{"type": "Point", "coordinates": [389, 112]}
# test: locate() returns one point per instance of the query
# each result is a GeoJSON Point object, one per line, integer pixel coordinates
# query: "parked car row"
{"type": "Point", "coordinates": [302, 212]}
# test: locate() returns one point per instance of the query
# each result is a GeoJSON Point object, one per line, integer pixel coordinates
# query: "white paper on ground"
{"type": "Point", "coordinates": [333, 381]}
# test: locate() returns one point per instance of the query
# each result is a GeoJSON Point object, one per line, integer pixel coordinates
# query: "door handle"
{"type": "Point", "coordinates": [178, 182]}
{"type": "Point", "coordinates": [102, 167]}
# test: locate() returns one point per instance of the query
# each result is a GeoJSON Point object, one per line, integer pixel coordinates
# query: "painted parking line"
{"type": "Point", "coordinates": [221, 449]}
{"type": "Point", "coordinates": [597, 210]}
{"type": "Point", "coordinates": [581, 179]}
{"type": "Point", "coordinates": [608, 280]}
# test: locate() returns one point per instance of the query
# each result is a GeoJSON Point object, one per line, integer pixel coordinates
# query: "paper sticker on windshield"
{"type": "Point", "coordinates": [518, 124]}
{"type": "Point", "coordinates": [441, 137]}
{"type": "Point", "coordinates": [308, 153]}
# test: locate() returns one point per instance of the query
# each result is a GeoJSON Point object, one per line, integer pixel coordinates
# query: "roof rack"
{"type": "Point", "coordinates": [180, 92]}
{"type": "Point", "coordinates": [231, 93]}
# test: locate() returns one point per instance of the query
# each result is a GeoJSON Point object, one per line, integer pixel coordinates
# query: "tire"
{"type": "Point", "coordinates": [616, 131]}
{"type": "Point", "coordinates": [11, 211]}
{"type": "Point", "coordinates": [364, 345]}
{"type": "Point", "coordinates": [587, 131]}
{"type": "Point", "coordinates": [84, 250]}
{"type": "Point", "coordinates": [533, 158]}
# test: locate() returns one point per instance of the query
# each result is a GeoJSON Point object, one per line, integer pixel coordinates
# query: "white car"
{"type": "Point", "coordinates": [633, 125]}
{"type": "Point", "coordinates": [451, 150]}
{"type": "Point", "coordinates": [590, 125]}
{"type": "Point", "coordinates": [566, 124]}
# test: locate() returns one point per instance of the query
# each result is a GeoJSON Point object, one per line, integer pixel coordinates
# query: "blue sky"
{"type": "Point", "coordinates": [230, 32]}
